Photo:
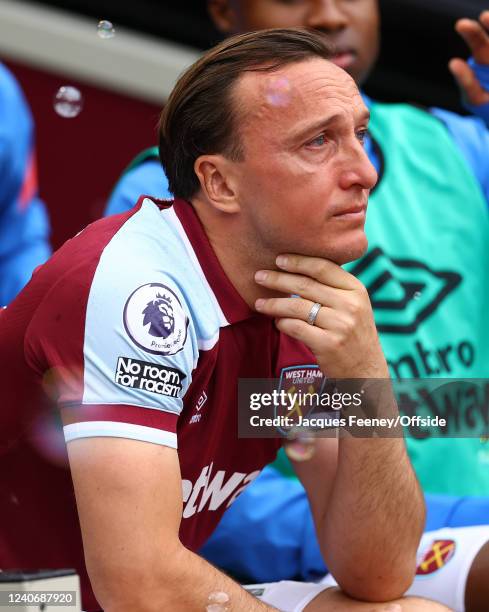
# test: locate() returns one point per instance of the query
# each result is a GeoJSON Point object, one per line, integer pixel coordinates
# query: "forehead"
{"type": "Point", "coordinates": [294, 95]}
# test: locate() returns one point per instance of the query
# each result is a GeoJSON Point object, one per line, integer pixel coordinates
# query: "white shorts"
{"type": "Point", "coordinates": [444, 560]}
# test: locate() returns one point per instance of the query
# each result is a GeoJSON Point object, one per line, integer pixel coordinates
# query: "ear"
{"type": "Point", "coordinates": [218, 182]}
{"type": "Point", "coordinates": [223, 15]}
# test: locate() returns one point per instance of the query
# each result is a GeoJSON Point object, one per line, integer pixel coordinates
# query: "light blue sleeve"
{"type": "Point", "coordinates": [472, 137]}
{"type": "Point", "coordinates": [146, 179]}
{"type": "Point", "coordinates": [24, 226]}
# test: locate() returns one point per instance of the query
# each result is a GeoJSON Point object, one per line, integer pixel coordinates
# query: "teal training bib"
{"type": "Point", "coordinates": [425, 269]}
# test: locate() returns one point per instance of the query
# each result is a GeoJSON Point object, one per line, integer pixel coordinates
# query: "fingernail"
{"type": "Point", "coordinates": [259, 304]}
{"type": "Point", "coordinates": [393, 608]}
{"type": "Point", "coordinates": [261, 275]}
{"type": "Point", "coordinates": [281, 261]}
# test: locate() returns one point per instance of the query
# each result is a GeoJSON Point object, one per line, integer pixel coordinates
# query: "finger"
{"type": "Point", "coordinates": [317, 339]}
{"type": "Point", "coordinates": [472, 90]}
{"type": "Point", "coordinates": [323, 270]}
{"type": "Point", "coordinates": [296, 308]}
{"type": "Point", "coordinates": [476, 37]}
{"type": "Point", "coordinates": [484, 19]}
{"type": "Point", "coordinates": [297, 284]}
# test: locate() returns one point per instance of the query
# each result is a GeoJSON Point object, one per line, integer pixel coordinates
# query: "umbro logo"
{"type": "Point", "coordinates": [403, 292]}
{"type": "Point", "coordinates": [200, 402]}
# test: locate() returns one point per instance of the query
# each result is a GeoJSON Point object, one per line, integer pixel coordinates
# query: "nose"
{"type": "Point", "coordinates": [327, 15]}
{"type": "Point", "coordinates": [358, 169]}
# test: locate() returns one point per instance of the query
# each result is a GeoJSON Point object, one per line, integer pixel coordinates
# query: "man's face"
{"type": "Point", "coordinates": [351, 25]}
{"type": "Point", "coordinates": [304, 181]}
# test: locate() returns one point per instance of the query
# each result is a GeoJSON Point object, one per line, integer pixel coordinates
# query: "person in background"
{"type": "Point", "coordinates": [24, 225]}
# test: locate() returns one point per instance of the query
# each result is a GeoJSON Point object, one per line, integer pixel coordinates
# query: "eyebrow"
{"type": "Point", "coordinates": [364, 116]}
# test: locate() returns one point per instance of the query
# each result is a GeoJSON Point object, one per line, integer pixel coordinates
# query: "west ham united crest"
{"type": "Point", "coordinates": [155, 320]}
{"type": "Point", "coordinates": [298, 382]}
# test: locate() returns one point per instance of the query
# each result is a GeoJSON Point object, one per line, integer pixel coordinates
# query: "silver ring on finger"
{"type": "Point", "coordinates": [313, 313]}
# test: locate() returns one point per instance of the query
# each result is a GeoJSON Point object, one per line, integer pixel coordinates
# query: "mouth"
{"type": "Point", "coordinates": [354, 213]}
{"type": "Point", "coordinates": [344, 58]}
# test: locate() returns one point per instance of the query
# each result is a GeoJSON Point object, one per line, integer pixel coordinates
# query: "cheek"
{"type": "Point", "coordinates": [369, 36]}
{"type": "Point", "coordinates": [275, 187]}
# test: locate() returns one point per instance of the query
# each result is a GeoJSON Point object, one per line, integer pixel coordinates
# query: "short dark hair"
{"type": "Point", "coordinates": [200, 117]}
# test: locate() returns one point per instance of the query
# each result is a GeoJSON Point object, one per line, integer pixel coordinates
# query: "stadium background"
{"type": "Point", "coordinates": [125, 80]}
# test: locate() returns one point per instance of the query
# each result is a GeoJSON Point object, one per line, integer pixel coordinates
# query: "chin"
{"type": "Point", "coordinates": [345, 253]}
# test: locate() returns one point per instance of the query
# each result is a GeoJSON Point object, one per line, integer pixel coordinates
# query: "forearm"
{"type": "Point", "coordinates": [374, 519]}
{"type": "Point", "coordinates": [134, 557]}
{"type": "Point", "coordinates": [186, 586]}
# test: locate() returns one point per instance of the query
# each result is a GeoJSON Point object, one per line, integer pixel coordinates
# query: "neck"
{"type": "Point", "coordinates": [236, 252]}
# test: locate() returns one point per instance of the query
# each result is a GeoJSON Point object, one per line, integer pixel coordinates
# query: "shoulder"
{"type": "Point", "coordinates": [399, 115]}
{"type": "Point", "coordinates": [147, 178]}
{"type": "Point", "coordinates": [127, 264]}
{"type": "Point", "coordinates": [150, 175]}
{"type": "Point", "coordinates": [471, 136]}
{"type": "Point", "coordinates": [123, 294]}
{"type": "Point", "coordinates": [468, 127]}
{"type": "Point", "coordinates": [410, 125]}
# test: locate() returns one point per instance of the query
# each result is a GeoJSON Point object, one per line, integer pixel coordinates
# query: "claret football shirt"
{"type": "Point", "coordinates": [132, 330]}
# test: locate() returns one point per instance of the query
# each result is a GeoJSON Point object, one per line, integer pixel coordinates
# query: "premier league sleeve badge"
{"type": "Point", "coordinates": [155, 320]}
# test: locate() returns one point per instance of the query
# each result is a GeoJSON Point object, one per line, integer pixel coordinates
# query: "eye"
{"type": "Point", "coordinates": [319, 141]}
{"type": "Point", "coordinates": [362, 135]}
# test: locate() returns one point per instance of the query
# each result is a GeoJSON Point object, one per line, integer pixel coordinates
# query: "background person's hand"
{"type": "Point", "coordinates": [476, 35]}
{"type": "Point", "coordinates": [343, 338]}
